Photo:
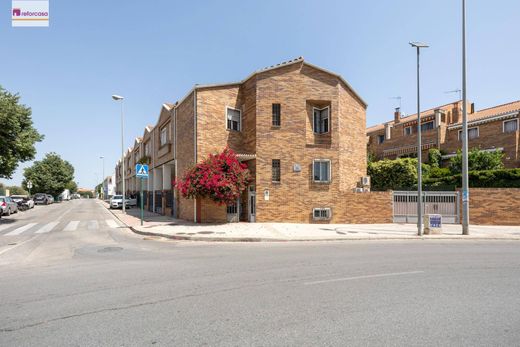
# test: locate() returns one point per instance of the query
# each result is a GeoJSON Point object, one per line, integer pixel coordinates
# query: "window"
{"type": "Point", "coordinates": [510, 126]}
{"type": "Point", "coordinates": [427, 126]}
{"type": "Point", "coordinates": [321, 170]}
{"type": "Point", "coordinates": [321, 120]}
{"type": "Point", "coordinates": [321, 213]}
{"type": "Point", "coordinates": [276, 115]}
{"type": "Point", "coordinates": [407, 131]}
{"type": "Point", "coordinates": [147, 149]}
{"type": "Point", "coordinates": [275, 170]}
{"type": "Point", "coordinates": [232, 209]}
{"type": "Point", "coordinates": [233, 119]}
{"type": "Point", "coordinates": [164, 135]}
{"type": "Point", "coordinates": [380, 139]}
{"type": "Point", "coordinates": [472, 133]}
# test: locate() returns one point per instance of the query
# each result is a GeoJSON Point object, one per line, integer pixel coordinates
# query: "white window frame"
{"type": "Point", "coordinates": [327, 210]}
{"type": "Point", "coordinates": [239, 119]}
{"type": "Point", "coordinates": [164, 130]}
{"type": "Point", "coordinates": [478, 133]}
{"type": "Point", "coordinates": [328, 118]}
{"type": "Point", "coordinates": [504, 125]}
{"type": "Point", "coordinates": [405, 131]}
{"type": "Point", "coordinates": [330, 170]}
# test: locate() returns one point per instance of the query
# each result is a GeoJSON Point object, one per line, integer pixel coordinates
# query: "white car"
{"type": "Point", "coordinates": [117, 202]}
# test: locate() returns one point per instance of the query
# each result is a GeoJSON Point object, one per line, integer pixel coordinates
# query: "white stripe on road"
{"type": "Point", "coordinates": [111, 223]}
{"type": "Point", "coordinates": [363, 277]}
{"type": "Point", "coordinates": [47, 228]}
{"type": "Point", "coordinates": [92, 225]}
{"type": "Point", "coordinates": [6, 226]}
{"type": "Point", "coordinates": [20, 230]}
{"type": "Point", "coordinates": [73, 225]}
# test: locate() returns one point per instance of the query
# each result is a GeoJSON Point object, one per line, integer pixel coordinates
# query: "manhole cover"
{"type": "Point", "coordinates": [205, 232]}
{"type": "Point", "coordinates": [110, 249]}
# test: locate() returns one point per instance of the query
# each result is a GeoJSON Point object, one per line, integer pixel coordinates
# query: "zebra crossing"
{"type": "Point", "coordinates": [68, 226]}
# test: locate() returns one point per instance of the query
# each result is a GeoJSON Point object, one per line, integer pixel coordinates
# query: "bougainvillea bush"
{"type": "Point", "coordinates": [219, 177]}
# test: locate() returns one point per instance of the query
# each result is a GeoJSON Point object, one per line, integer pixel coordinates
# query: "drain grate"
{"type": "Point", "coordinates": [110, 249]}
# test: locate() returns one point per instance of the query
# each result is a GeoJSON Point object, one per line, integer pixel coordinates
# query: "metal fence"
{"type": "Point", "coordinates": [443, 203]}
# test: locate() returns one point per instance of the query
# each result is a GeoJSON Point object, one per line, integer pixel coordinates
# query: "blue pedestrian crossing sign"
{"type": "Point", "coordinates": [141, 170]}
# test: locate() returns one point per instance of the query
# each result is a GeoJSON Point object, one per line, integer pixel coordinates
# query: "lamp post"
{"type": "Point", "coordinates": [120, 98]}
{"type": "Point", "coordinates": [418, 46]}
{"type": "Point", "coordinates": [103, 178]}
{"type": "Point", "coordinates": [465, 183]}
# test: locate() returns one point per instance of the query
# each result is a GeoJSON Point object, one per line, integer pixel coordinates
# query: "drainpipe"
{"type": "Point", "coordinates": [195, 144]}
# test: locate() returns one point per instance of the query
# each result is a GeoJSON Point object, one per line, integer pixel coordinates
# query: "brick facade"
{"type": "Point", "coordinates": [444, 134]}
{"type": "Point", "coordinates": [198, 127]}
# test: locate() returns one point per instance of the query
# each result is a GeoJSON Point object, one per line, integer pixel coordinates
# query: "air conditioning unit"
{"type": "Point", "coordinates": [365, 181]}
{"type": "Point", "coordinates": [359, 190]}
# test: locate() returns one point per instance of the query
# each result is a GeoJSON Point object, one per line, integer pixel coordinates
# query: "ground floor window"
{"type": "Point", "coordinates": [321, 213]}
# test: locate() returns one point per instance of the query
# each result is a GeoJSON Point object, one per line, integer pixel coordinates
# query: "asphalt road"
{"type": "Point", "coordinates": [77, 278]}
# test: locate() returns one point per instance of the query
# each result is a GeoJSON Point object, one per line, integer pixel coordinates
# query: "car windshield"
{"type": "Point", "coordinates": [117, 197]}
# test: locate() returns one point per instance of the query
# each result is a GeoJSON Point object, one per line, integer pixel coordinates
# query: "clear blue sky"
{"type": "Point", "coordinates": [154, 51]}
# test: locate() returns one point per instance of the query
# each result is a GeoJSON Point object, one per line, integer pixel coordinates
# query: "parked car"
{"type": "Point", "coordinates": [41, 199]}
{"type": "Point", "coordinates": [117, 202]}
{"type": "Point", "coordinates": [51, 199]}
{"type": "Point", "coordinates": [24, 202]}
{"type": "Point", "coordinates": [8, 205]}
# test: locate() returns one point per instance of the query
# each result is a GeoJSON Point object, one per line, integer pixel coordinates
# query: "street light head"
{"type": "Point", "coordinates": [117, 97]}
{"type": "Point", "coordinates": [419, 44]}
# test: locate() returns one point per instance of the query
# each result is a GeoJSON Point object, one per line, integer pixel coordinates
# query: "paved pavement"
{"type": "Point", "coordinates": [164, 226]}
{"type": "Point", "coordinates": [110, 287]}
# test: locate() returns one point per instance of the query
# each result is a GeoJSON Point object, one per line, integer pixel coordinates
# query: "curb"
{"type": "Point", "coordinates": [267, 239]}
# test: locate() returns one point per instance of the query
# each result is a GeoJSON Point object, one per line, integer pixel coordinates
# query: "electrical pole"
{"type": "Point", "coordinates": [465, 183]}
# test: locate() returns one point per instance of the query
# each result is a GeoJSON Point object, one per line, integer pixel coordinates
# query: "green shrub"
{"type": "Point", "coordinates": [478, 160]}
{"type": "Point", "coordinates": [438, 172]}
{"type": "Point", "coordinates": [392, 174]}
{"type": "Point", "coordinates": [434, 157]}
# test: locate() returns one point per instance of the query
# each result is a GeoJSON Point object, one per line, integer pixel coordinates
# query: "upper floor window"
{"type": "Point", "coordinates": [321, 170]}
{"type": "Point", "coordinates": [164, 136]}
{"type": "Point", "coordinates": [472, 133]}
{"type": "Point", "coordinates": [427, 126]}
{"type": "Point", "coordinates": [321, 120]}
{"type": "Point", "coordinates": [233, 119]}
{"type": "Point", "coordinates": [147, 149]}
{"type": "Point", "coordinates": [407, 131]}
{"type": "Point", "coordinates": [380, 139]}
{"type": "Point", "coordinates": [276, 115]}
{"type": "Point", "coordinates": [275, 170]}
{"type": "Point", "coordinates": [510, 126]}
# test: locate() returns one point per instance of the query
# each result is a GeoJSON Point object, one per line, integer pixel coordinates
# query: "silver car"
{"type": "Point", "coordinates": [8, 205]}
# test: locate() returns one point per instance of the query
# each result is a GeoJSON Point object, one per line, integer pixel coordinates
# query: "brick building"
{"type": "Point", "coordinates": [491, 129]}
{"type": "Point", "coordinates": [299, 128]}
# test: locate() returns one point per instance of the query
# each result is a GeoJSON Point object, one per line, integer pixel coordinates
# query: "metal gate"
{"type": "Point", "coordinates": [443, 203]}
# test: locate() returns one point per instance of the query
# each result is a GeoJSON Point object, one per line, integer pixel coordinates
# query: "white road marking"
{"type": "Point", "coordinates": [73, 225]}
{"type": "Point", "coordinates": [92, 225]}
{"type": "Point", "coordinates": [6, 226]}
{"type": "Point", "coordinates": [48, 227]}
{"type": "Point", "coordinates": [364, 276]}
{"type": "Point", "coordinates": [111, 223]}
{"type": "Point", "coordinates": [20, 230]}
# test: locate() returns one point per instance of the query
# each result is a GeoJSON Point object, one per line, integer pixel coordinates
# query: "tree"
{"type": "Point", "coordinates": [219, 177]}
{"type": "Point", "coordinates": [51, 175]}
{"type": "Point", "coordinates": [72, 187]}
{"type": "Point", "coordinates": [434, 157]}
{"type": "Point", "coordinates": [17, 135]}
{"type": "Point", "coordinates": [15, 190]}
{"type": "Point", "coordinates": [478, 160]}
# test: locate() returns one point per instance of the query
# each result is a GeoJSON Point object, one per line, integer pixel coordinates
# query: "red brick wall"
{"type": "Point", "coordinates": [500, 206]}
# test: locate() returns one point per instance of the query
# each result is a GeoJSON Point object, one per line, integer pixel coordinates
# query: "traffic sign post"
{"type": "Point", "coordinates": [141, 171]}
{"type": "Point", "coordinates": [29, 186]}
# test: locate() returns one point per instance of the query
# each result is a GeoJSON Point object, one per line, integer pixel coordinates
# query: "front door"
{"type": "Point", "coordinates": [252, 204]}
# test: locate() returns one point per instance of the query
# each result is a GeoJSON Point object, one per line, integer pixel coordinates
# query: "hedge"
{"type": "Point", "coordinates": [503, 178]}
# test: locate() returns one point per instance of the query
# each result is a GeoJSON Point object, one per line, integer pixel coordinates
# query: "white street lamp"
{"type": "Point", "coordinates": [120, 98]}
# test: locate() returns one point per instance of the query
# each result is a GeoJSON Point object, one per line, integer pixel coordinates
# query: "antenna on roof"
{"type": "Point", "coordinates": [454, 91]}
{"type": "Point", "coordinates": [397, 98]}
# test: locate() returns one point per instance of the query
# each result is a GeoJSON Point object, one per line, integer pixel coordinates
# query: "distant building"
{"type": "Point", "coordinates": [490, 129]}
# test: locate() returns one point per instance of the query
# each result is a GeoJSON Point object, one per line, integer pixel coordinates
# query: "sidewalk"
{"type": "Point", "coordinates": [157, 225]}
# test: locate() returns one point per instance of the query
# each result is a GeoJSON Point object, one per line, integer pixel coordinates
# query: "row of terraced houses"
{"type": "Point", "coordinates": [302, 132]}
{"type": "Point", "coordinates": [299, 128]}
